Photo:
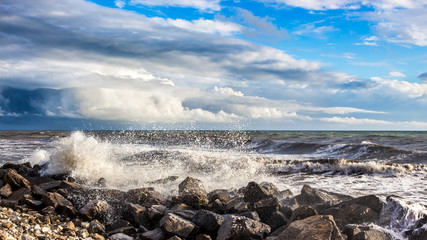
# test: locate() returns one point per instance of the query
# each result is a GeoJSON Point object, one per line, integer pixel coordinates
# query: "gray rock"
{"type": "Point", "coordinates": [207, 221]}
{"type": "Point", "coordinates": [255, 192]}
{"type": "Point", "coordinates": [55, 200]}
{"type": "Point", "coordinates": [319, 227]}
{"type": "Point", "coordinates": [5, 191]}
{"type": "Point", "coordinates": [49, 186]}
{"type": "Point", "coordinates": [220, 194]}
{"type": "Point", "coordinates": [193, 192]}
{"type": "Point", "coordinates": [138, 214]}
{"type": "Point", "coordinates": [266, 207]}
{"type": "Point", "coordinates": [271, 188]}
{"type": "Point", "coordinates": [33, 203]}
{"type": "Point", "coordinates": [19, 194]}
{"type": "Point", "coordinates": [314, 197]}
{"type": "Point", "coordinates": [303, 212]}
{"type": "Point", "coordinates": [352, 214]}
{"type": "Point", "coordinates": [96, 227]}
{"type": "Point", "coordinates": [15, 180]}
{"type": "Point", "coordinates": [96, 209]}
{"type": "Point", "coordinates": [144, 196]}
{"type": "Point", "coordinates": [216, 206]}
{"type": "Point", "coordinates": [252, 215]}
{"type": "Point", "coordinates": [156, 234]}
{"type": "Point", "coordinates": [276, 220]}
{"type": "Point", "coordinates": [238, 227]}
{"type": "Point", "coordinates": [284, 194]}
{"type": "Point", "coordinates": [176, 225]}
{"type": "Point", "coordinates": [38, 191]}
{"type": "Point", "coordinates": [120, 236]}
{"type": "Point", "coordinates": [357, 232]}
{"type": "Point", "coordinates": [156, 212]}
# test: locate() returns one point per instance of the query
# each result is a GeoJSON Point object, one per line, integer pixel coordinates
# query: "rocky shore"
{"type": "Point", "coordinates": [59, 207]}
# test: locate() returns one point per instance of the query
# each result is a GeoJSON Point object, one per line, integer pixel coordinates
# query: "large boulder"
{"type": "Point", "coordinates": [15, 180]}
{"type": "Point", "coordinates": [193, 192]}
{"type": "Point", "coordinates": [5, 191]}
{"type": "Point", "coordinates": [175, 225]}
{"type": "Point", "coordinates": [144, 196]}
{"type": "Point", "coordinates": [96, 209]}
{"type": "Point", "coordinates": [255, 192]}
{"type": "Point", "coordinates": [266, 207]}
{"type": "Point", "coordinates": [156, 234]}
{"type": "Point", "coordinates": [359, 232]}
{"type": "Point", "coordinates": [239, 227]}
{"type": "Point", "coordinates": [302, 213]}
{"type": "Point", "coordinates": [138, 214]}
{"type": "Point", "coordinates": [352, 214]}
{"type": "Point", "coordinates": [61, 204]}
{"type": "Point", "coordinates": [319, 227]}
{"type": "Point", "coordinates": [207, 221]}
{"type": "Point", "coordinates": [318, 197]}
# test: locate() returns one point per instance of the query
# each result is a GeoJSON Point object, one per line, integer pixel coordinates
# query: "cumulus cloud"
{"type": "Point", "coordinates": [310, 29]}
{"type": "Point", "coordinates": [396, 74]}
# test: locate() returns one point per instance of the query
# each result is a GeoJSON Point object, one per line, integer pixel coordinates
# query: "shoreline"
{"type": "Point", "coordinates": [59, 207]}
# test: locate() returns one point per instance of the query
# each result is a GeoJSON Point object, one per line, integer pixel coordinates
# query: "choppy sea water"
{"type": "Point", "coordinates": [354, 163]}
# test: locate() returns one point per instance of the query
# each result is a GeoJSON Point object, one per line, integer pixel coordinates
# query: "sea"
{"type": "Point", "coordinates": [355, 163]}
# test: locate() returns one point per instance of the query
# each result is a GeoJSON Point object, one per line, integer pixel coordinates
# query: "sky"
{"type": "Point", "coordinates": [212, 64]}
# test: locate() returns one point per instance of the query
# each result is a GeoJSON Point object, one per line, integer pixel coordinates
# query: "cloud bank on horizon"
{"type": "Point", "coordinates": [264, 64]}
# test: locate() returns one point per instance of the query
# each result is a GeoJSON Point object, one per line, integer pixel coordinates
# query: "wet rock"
{"type": "Point", "coordinates": [220, 194]}
{"type": "Point", "coordinates": [276, 220]}
{"type": "Point", "coordinates": [319, 227]}
{"type": "Point", "coordinates": [19, 194]}
{"type": "Point", "coordinates": [72, 185]}
{"type": "Point", "coordinates": [271, 188]}
{"type": "Point", "coordinates": [15, 180]}
{"type": "Point", "coordinates": [192, 186]}
{"type": "Point", "coordinates": [252, 215]}
{"type": "Point", "coordinates": [207, 221]}
{"type": "Point", "coordinates": [266, 207]}
{"type": "Point", "coordinates": [8, 203]}
{"type": "Point", "coordinates": [203, 237]}
{"type": "Point", "coordinates": [96, 209]}
{"type": "Point", "coordinates": [144, 196]}
{"type": "Point", "coordinates": [255, 192]}
{"type": "Point", "coordinates": [156, 234]}
{"type": "Point", "coordinates": [102, 182]}
{"type": "Point", "coordinates": [156, 212]}
{"type": "Point", "coordinates": [124, 230]}
{"type": "Point", "coordinates": [96, 227]}
{"type": "Point", "coordinates": [34, 204]}
{"type": "Point", "coordinates": [187, 214]}
{"type": "Point", "coordinates": [238, 227]}
{"type": "Point", "coordinates": [38, 191]}
{"type": "Point", "coordinates": [372, 201]}
{"type": "Point", "coordinates": [237, 204]}
{"type": "Point", "coordinates": [120, 236]}
{"type": "Point", "coordinates": [49, 210]}
{"type": "Point", "coordinates": [193, 192]}
{"type": "Point", "coordinates": [352, 214]}
{"type": "Point", "coordinates": [357, 232]}
{"type": "Point", "coordinates": [176, 225]}
{"type": "Point", "coordinates": [216, 206]}
{"type": "Point", "coordinates": [138, 214]}
{"type": "Point", "coordinates": [120, 223]}
{"type": "Point", "coordinates": [302, 213]}
{"type": "Point", "coordinates": [174, 238]}
{"type": "Point", "coordinates": [284, 194]}
{"type": "Point", "coordinates": [52, 185]}
{"type": "Point", "coordinates": [5, 191]}
{"type": "Point", "coordinates": [55, 200]}
{"type": "Point", "coordinates": [318, 197]}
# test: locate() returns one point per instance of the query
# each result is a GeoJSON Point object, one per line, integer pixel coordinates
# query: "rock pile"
{"type": "Point", "coordinates": [57, 207]}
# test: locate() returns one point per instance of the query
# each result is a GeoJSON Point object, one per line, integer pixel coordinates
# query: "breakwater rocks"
{"type": "Point", "coordinates": [59, 207]}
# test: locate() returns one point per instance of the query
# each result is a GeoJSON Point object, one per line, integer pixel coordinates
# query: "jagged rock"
{"type": "Point", "coordinates": [255, 192]}
{"type": "Point", "coordinates": [96, 227]}
{"type": "Point", "coordinates": [8, 203]}
{"type": "Point", "coordinates": [220, 194]}
{"type": "Point", "coordinates": [284, 194]}
{"type": "Point", "coordinates": [19, 194]}
{"type": "Point", "coordinates": [192, 186]}
{"type": "Point", "coordinates": [33, 203]}
{"type": "Point", "coordinates": [156, 212]}
{"type": "Point", "coordinates": [237, 204]}
{"type": "Point", "coordinates": [5, 191]}
{"type": "Point", "coordinates": [138, 214]}
{"type": "Point", "coordinates": [216, 206]}
{"type": "Point", "coordinates": [49, 210]}
{"type": "Point", "coordinates": [319, 227]}
{"type": "Point", "coordinates": [49, 186]}
{"type": "Point", "coordinates": [125, 230]}
{"type": "Point", "coordinates": [96, 209]}
{"type": "Point", "coordinates": [15, 180]}
{"type": "Point", "coordinates": [372, 201]}
{"type": "Point", "coordinates": [238, 227]}
{"type": "Point", "coordinates": [266, 207]}
{"type": "Point", "coordinates": [156, 234]}
{"type": "Point", "coordinates": [318, 197]}
{"type": "Point", "coordinates": [38, 191]}
{"type": "Point", "coordinates": [119, 223]}
{"type": "Point", "coordinates": [252, 215]}
{"type": "Point", "coordinates": [72, 185]}
{"type": "Point", "coordinates": [174, 238]}
{"type": "Point", "coordinates": [102, 182]}
{"type": "Point", "coordinates": [356, 232]}
{"type": "Point", "coordinates": [203, 237]}
{"type": "Point", "coordinates": [55, 200]}
{"type": "Point", "coordinates": [352, 214]}
{"type": "Point", "coordinates": [303, 212]}
{"type": "Point", "coordinates": [207, 221]}
{"type": "Point", "coordinates": [120, 236]}
{"type": "Point", "coordinates": [176, 225]}
{"type": "Point", "coordinates": [193, 192]}
{"type": "Point", "coordinates": [187, 214]}
{"type": "Point", "coordinates": [144, 196]}
{"type": "Point", "coordinates": [276, 220]}
{"type": "Point", "coordinates": [271, 188]}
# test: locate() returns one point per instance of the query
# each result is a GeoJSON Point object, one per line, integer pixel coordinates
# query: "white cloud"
{"type": "Point", "coordinates": [227, 91]}
{"type": "Point", "coordinates": [202, 5]}
{"type": "Point", "coordinates": [120, 3]}
{"type": "Point", "coordinates": [369, 41]}
{"type": "Point", "coordinates": [202, 26]}
{"type": "Point", "coordinates": [317, 4]}
{"type": "Point", "coordinates": [399, 89]}
{"type": "Point", "coordinates": [311, 29]}
{"type": "Point", "coordinates": [396, 74]}
{"type": "Point", "coordinates": [355, 121]}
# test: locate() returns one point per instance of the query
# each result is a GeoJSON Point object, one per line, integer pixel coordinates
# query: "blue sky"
{"type": "Point", "coordinates": [212, 64]}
